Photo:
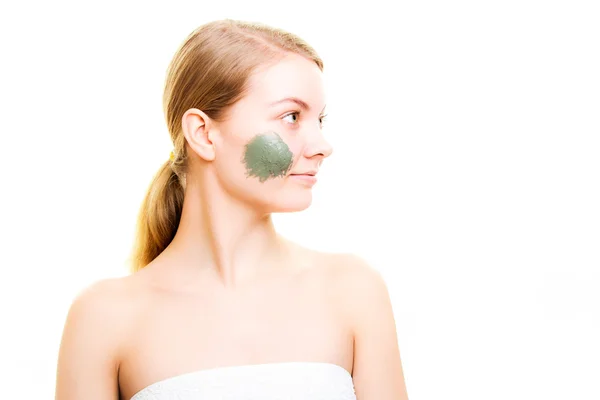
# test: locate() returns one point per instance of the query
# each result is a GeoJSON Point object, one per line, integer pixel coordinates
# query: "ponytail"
{"type": "Point", "coordinates": [158, 218]}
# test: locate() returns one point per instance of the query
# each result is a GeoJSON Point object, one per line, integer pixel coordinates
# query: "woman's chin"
{"type": "Point", "coordinates": [292, 205]}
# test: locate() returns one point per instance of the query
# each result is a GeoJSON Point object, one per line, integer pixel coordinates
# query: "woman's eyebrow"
{"type": "Point", "coordinates": [304, 105]}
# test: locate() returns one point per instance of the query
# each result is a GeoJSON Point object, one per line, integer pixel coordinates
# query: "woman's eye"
{"type": "Point", "coordinates": [291, 115]}
{"type": "Point", "coordinates": [323, 118]}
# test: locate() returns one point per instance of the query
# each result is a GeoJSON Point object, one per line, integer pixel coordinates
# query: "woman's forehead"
{"type": "Point", "coordinates": [293, 79]}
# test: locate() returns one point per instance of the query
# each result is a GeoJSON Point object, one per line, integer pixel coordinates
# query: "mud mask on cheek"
{"type": "Point", "coordinates": [267, 156]}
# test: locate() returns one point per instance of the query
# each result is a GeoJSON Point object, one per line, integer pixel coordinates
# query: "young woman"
{"type": "Point", "coordinates": [219, 305]}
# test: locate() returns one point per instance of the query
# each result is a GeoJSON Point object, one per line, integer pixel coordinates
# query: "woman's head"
{"type": "Point", "coordinates": [244, 105]}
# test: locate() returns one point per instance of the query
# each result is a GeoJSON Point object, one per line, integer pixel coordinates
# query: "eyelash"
{"type": "Point", "coordinates": [323, 117]}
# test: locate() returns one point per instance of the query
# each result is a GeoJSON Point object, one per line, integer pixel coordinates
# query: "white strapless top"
{"type": "Point", "coordinates": [272, 381]}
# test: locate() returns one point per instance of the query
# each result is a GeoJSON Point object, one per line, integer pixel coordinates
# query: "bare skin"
{"type": "Point", "coordinates": [289, 316]}
{"type": "Point", "coordinates": [229, 290]}
{"type": "Point", "coordinates": [127, 333]}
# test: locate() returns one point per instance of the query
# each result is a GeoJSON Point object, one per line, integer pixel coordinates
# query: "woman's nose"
{"type": "Point", "coordinates": [318, 145]}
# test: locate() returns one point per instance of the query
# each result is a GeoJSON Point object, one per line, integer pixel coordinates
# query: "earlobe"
{"type": "Point", "coordinates": [196, 129]}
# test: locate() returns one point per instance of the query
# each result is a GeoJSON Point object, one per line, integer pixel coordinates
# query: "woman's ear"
{"type": "Point", "coordinates": [196, 129]}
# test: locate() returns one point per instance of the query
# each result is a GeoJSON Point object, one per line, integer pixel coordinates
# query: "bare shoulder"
{"type": "Point", "coordinates": [96, 323]}
{"type": "Point", "coordinates": [356, 285]}
{"type": "Point", "coordinates": [348, 276]}
{"type": "Point", "coordinates": [365, 301]}
{"type": "Point", "coordinates": [105, 307]}
{"type": "Point", "coordinates": [102, 301]}
{"type": "Point", "coordinates": [356, 278]}
{"type": "Point", "coordinates": [348, 267]}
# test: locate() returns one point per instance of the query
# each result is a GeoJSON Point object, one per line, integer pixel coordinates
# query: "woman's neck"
{"type": "Point", "coordinates": [226, 236]}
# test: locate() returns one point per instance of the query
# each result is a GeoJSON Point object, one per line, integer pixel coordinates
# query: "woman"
{"type": "Point", "coordinates": [219, 305]}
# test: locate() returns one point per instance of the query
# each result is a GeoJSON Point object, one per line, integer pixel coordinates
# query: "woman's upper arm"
{"type": "Point", "coordinates": [87, 359]}
{"type": "Point", "coordinates": [377, 371]}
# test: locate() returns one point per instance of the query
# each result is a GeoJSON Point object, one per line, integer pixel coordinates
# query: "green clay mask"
{"type": "Point", "coordinates": [267, 156]}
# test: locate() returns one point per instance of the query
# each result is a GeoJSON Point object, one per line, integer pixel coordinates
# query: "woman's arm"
{"type": "Point", "coordinates": [377, 371]}
{"type": "Point", "coordinates": [87, 361]}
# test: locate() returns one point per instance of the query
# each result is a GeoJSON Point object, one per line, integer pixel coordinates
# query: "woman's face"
{"type": "Point", "coordinates": [269, 151]}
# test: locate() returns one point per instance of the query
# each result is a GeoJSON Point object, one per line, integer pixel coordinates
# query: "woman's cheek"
{"type": "Point", "coordinates": [267, 156]}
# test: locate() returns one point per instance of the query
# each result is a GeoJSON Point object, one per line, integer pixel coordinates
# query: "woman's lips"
{"type": "Point", "coordinates": [305, 178]}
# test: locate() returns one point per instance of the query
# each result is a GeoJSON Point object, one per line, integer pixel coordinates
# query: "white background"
{"type": "Point", "coordinates": [465, 168]}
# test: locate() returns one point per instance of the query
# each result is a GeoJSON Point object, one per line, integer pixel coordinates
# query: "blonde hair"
{"type": "Point", "coordinates": [209, 71]}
